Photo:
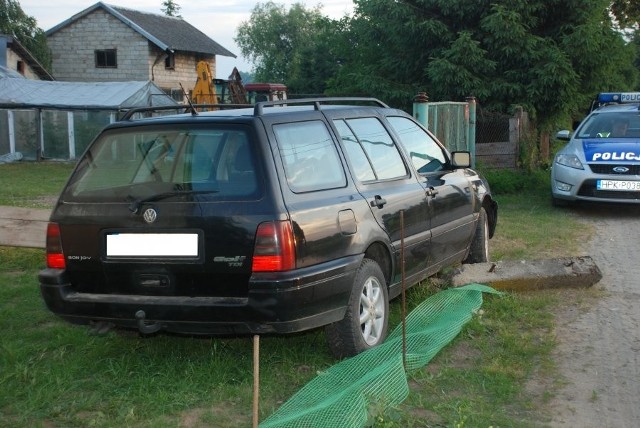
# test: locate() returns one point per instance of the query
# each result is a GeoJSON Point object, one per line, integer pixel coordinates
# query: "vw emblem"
{"type": "Point", "coordinates": [150, 215]}
{"type": "Point", "coordinates": [621, 169]}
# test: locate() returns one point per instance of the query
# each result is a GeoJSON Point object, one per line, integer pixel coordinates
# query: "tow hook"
{"type": "Point", "coordinates": [146, 327]}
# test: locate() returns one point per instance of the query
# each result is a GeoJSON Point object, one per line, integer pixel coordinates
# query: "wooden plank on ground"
{"type": "Point", "coordinates": [23, 227]}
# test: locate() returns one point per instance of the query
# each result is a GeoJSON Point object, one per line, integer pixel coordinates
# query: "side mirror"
{"type": "Point", "coordinates": [461, 159]}
{"type": "Point", "coordinates": [563, 135]}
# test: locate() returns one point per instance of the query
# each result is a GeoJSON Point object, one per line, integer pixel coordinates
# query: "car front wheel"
{"type": "Point", "coordinates": [366, 320]}
{"type": "Point", "coordinates": [479, 251]}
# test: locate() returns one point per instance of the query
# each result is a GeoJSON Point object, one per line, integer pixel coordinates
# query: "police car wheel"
{"type": "Point", "coordinates": [556, 202]}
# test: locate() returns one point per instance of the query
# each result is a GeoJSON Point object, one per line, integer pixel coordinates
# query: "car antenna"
{"type": "Point", "coordinates": [194, 112]}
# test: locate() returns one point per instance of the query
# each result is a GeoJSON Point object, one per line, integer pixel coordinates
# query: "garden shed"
{"type": "Point", "coordinates": [57, 120]}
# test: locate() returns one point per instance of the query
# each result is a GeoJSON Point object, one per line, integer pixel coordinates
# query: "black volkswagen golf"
{"type": "Point", "coordinates": [272, 219]}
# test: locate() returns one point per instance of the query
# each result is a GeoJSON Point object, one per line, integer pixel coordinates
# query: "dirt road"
{"type": "Point", "coordinates": [599, 342]}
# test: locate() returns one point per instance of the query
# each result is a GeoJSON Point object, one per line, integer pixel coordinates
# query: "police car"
{"type": "Point", "coordinates": [601, 162]}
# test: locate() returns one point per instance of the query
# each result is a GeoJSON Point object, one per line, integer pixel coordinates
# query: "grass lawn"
{"type": "Point", "coordinates": [56, 374]}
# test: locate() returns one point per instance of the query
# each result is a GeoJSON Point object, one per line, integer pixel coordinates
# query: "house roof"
{"type": "Point", "coordinates": [27, 93]}
{"type": "Point", "coordinates": [24, 53]}
{"type": "Point", "coordinates": [9, 73]}
{"type": "Point", "coordinates": [166, 32]}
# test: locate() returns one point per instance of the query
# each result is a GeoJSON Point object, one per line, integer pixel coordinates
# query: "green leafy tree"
{"type": "Point", "coordinates": [291, 46]}
{"type": "Point", "coordinates": [171, 8]}
{"type": "Point", "coordinates": [627, 12]}
{"type": "Point", "coordinates": [16, 23]}
{"type": "Point", "coordinates": [503, 52]}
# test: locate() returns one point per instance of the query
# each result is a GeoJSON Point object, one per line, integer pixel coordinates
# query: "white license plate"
{"type": "Point", "coordinates": [621, 185]}
{"type": "Point", "coordinates": [152, 245]}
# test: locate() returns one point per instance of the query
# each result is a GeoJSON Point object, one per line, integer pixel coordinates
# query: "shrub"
{"type": "Point", "coordinates": [507, 181]}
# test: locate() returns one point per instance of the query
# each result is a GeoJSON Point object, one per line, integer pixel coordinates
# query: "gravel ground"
{"type": "Point", "coordinates": [599, 342]}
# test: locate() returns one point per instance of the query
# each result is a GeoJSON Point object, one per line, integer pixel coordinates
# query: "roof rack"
{"type": "Point", "coordinates": [187, 108]}
{"type": "Point", "coordinates": [258, 110]}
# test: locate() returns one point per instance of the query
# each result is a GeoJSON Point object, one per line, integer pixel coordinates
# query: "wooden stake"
{"type": "Point", "coordinates": [404, 296]}
{"type": "Point", "coordinates": [256, 378]}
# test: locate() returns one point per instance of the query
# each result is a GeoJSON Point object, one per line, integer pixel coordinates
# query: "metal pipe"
{"type": "Point", "coordinates": [421, 109]}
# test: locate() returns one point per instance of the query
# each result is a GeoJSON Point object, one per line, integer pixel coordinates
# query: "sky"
{"type": "Point", "coordinates": [218, 19]}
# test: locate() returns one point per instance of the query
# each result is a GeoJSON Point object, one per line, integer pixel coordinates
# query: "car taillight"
{"type": "Point", "coordinates": [275, 247]}
{"type": "Point", "coordinates": [55, 256]}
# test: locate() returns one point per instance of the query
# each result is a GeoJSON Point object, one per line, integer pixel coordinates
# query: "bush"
{"type": "Point", "coordinates": [507, 181]}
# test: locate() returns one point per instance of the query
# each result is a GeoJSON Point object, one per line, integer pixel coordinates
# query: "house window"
{"type": "Point", "coordinates": [170, 62]}
{"type": "Point", "coordinates": [20, 67]}
{"type": "Point", "coordinates": [177, 94]}
{"type": "Point", "coordinates": [106, 58]}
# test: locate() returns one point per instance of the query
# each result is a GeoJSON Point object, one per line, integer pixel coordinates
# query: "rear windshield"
{"type": "Point", "coordinates": [140, 162]}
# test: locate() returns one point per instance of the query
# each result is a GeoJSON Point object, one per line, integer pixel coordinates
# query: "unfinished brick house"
{"type": "Point", "coordinates": [108, 43]}
{"type": "Point", "coordinates": [15, 58]}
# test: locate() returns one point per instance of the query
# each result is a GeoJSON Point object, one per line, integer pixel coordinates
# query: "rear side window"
{"type": "Point", "coordinates": [425, 154]}
{"type": "Point", "coordinates": [370, 149]}
{"type": "Point", "coordinates": [134, 163]}
{"type": "Point", "coordinates": [309, 156]}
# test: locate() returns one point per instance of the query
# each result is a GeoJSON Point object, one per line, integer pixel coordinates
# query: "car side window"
{"type": "Point", "coordinates": [309, 156]}
{"type": "Point", "coordinates": [358, 158]}
{"type": "Point", "coordinates": [370, 149]}
{"type": "Point", "coordinates": [425, 154]}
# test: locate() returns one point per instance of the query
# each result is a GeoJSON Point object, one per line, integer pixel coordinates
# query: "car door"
{"type": "Point", "coordinates": [384, 180]}
{"type": "Point", "coordinates": [448, 190]}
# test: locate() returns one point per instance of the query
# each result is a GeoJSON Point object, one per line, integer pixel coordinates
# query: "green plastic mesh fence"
{"type": "Point", "coordinates": [344, 394]}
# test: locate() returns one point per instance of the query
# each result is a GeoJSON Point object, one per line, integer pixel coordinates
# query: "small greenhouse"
{"type": "Point", "coordinates": [58, 120]}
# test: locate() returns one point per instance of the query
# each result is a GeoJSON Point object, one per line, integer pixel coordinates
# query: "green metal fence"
{"type": "Point", "coordinates": [453, 123]}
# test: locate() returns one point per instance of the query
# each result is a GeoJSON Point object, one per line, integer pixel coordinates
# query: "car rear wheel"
{"type": "Point", "coordinates": [367, 318]}
{"type": "Point", "coordinates": [479, 251]}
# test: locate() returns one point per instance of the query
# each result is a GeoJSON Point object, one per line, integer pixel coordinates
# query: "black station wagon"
{"type": "Point", "coordinates": [272, 219]}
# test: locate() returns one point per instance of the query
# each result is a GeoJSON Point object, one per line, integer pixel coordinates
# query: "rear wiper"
{"type": "Point", "coordinates": [135, 204]}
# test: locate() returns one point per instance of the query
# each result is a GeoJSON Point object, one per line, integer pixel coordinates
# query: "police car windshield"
{"type": "Point", "coordinates": [611, 125]}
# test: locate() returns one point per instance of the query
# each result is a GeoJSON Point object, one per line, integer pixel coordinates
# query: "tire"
{"type": "Point", "coordinates": [479, 250]}
{"type": "Point", "coordinates": [560, 203]}
{"type": "Point", "coordinates": [366, 321]}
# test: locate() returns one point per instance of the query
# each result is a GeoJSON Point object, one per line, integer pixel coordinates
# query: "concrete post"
{"type": "Point", "coordinates": [40, 152]}
{"type": "Point", "coordinates": [471, 129]}
{"type": "Point", "coordinates": [72, 135]}
{"type": "Point", "coordinates": [421, 109]}
{"type": "Point", "coordinates": [12, 131]}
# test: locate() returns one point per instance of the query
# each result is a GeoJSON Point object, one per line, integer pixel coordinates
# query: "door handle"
{"type": "Point", "coordinates": [378, 201]}
{"type": "Point", "coordinates": [432, 191]}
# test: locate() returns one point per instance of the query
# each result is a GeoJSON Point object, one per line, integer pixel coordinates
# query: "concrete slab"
{"type": "Point", "coordinates": [523, 275]}
{"type": "Point", "coordinates": [23, 227]}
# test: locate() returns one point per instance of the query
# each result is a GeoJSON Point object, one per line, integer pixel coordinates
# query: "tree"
{"type": "Point", "coordinates": [503, 52]}
{"type": "Point", "coordinates": [171, 8]}
{"type": "Point", "coordinates": [289, 46]}
{"type": "Point", "coordinates": [627, 12]}
{"type": "Point", "coordinates": [14, 22]}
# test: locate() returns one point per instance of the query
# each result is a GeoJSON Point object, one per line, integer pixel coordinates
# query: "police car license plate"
{"type": "Point", "coordinates": [620, 185]}
{"type": "Point", "coordinates": [152, 245]}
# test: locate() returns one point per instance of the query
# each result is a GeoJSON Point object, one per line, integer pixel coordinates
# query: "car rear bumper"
{"type": "Point", "coordinates": [283, 302]}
